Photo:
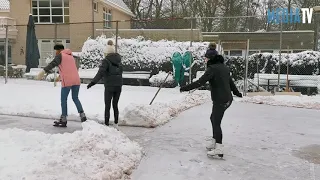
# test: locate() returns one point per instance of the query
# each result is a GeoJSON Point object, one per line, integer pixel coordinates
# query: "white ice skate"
{"type": "Point", "coordinates": [116, 126]}
{"type": "Point", "coordinates": [218, 151]}
{"type": "Point", "coordinates": [212, 145]}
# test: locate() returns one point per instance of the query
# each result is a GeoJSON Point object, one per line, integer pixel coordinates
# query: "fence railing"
{"type": "Point", "coordinates": [239, 45]}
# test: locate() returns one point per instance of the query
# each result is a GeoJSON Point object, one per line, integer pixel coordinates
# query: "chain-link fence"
{"type": "Point", "coordinates": [251, 53]}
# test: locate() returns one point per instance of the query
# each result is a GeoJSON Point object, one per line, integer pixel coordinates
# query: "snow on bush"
{"type": "Point", "coordinates": [303, 63]}
{"type": "Point", "coordinates": [96, 152]}
{"type": "Point", "coordinates": [158, 79]}
{"type": "Point", "coordinates": [92, 53]}
{"type": "Point", "coordinates": [161, 113]}
{"type": "Point", "coordinates": [139, 53]}
{"type": "Point", "coordinates": [308, 102]}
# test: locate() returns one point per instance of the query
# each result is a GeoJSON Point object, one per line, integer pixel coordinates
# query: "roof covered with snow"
{"type": "Point", "coordinates": [119, 4]}
{"type": "Point", "coordinates": [4, 5]}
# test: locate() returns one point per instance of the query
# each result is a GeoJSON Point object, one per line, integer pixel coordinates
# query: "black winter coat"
{"type": "Point", "coordinates": [110, 70]}
{"type": "Point", "coordinates": [220, 82]}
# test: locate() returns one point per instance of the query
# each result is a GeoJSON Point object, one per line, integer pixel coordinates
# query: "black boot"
{"type": "Point", "coordinates": [61, 123]}
{"type": "Point", "coordinates": [83, 117]}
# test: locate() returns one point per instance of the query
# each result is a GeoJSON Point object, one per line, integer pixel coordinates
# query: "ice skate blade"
{"type": "Point", "coordinates": [209, 149]}
{"type": "Point", "coordinates": [219, 156]}
{"type": "Point", "coordinates": [59, 125]}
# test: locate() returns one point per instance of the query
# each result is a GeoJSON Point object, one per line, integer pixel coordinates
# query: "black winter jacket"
{"type": "Point", "coordinates": [110, 70]}
{"type": "Point", "coordinates": [220, 82]}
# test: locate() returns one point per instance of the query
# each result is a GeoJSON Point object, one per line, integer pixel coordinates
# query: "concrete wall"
{"type": "Point", "coordinates": [80, 11]}
{"type": "Point", "coordinates": [295, 40]}
{"type": "Point", "coordinates": [4, 13]}
{"type": "Point", "coordinates": [20, 10]}
{"type": "Point", "coordinates": [44, 31]}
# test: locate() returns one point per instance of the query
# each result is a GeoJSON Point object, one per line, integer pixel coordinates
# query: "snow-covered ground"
{"type": "Point", "coordinates": [96, 152]}
{"type": "Point", "coordinates": [308, 102]}
{"type": "Point", "coordinates": [261, 143]}
{"type": "Point", "coordinates": [41, 99]}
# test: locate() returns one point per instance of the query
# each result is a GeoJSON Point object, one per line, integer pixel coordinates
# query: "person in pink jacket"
{"type": "Point", "coordinates": [70, 81]}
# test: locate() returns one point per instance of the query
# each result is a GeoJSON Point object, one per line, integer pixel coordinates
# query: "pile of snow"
{"type": "Point", "coordinates": [158, 79]}
{"type": "Point", "coordinates": [308, 102]}
{"type": "Point", "coordinates": [42, 100]}
{"type": "Point", "coordinates": [97, 152]}
{"type": "Point", "coordinates": [138, 52]}
{"type": "Point", "coordinates": [161, 113]}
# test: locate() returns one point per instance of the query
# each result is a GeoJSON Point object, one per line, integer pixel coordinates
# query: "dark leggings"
{"type": "Point", "coordinates": [111, 93]}
{"type": "Point", "coordinates": [216, 118]}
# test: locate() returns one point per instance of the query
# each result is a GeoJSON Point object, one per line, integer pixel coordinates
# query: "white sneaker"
{"type": "Point", "coordinates": [218, 151]}
{"type": "Point", "coordinates": [116, 126]}
{"type": "Point", "coordinates": [212, 145]}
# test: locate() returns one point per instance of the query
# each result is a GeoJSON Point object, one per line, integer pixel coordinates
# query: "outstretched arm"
{"type": "Point", "coordinates": [234, 88]}
{"type": "Point", "coordinates": [54, 63]}
{"type": "Point", "coordinates": [202, 80]}
{"type": "Point", "coordinates": [102, 69]}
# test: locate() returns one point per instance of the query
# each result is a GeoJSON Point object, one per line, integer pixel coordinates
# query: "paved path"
{"type": "Point", "coordinates": [262, 143]}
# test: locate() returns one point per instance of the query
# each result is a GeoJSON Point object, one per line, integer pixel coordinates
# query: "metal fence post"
{"type": "Point", "coordinates": [280, 49]}
{"type": "Point", "coordinates": [117, 34]}
{"type": "Point", "coordinates": [246, 69]}
{"type": "Point", "coordinates": [7, 56]}
{"type": "Point", "coordinates": [258, 74]}
{"type": "Point", "coordinates": [55, 42]}
{"type": "Point", "coordinates": [191, 39]}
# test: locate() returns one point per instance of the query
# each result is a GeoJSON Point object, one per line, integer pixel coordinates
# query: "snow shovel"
{"type": "Point", "coordinates": [160, 88]}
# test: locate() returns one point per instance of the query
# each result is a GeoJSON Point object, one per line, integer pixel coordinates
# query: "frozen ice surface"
{"type": "Point", "coordinates": [261, 143]}
{"type": "Point", "coordinates": [41, 99]}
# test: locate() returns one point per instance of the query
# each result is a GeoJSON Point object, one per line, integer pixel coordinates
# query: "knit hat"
{"type": "Point", "coordinates": [215, 60]}
{"type": "Point", "coordinates": [109, 49]}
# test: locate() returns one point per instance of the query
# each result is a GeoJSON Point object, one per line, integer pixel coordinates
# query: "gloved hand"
{"type": "Point", "coordinates": [57, 79]}
{"type": "Point", "coordinates": [239, 95]}
{"type": "Point", "coordinates": [183, 89]}
{"type": "Point", "coordinates": [40, 75]}
{"type": "Point", "coordinates": [90, 85]}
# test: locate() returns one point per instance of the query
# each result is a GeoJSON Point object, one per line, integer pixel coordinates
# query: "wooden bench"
{"type": "Point", "coordinates": [294, 81]}
{"type": "Point", "coordinates": [87, 75]}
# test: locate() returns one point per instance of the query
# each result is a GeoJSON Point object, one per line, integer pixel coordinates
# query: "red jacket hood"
{"type": "Point", "coordinates": [67, 51]}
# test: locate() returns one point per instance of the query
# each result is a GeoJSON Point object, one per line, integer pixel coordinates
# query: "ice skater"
{"type": "Point", "coordinates": [221, 85]}
{"type": "Point", "coordinates": [211, 51]}
{"type": "Point", "coordinates": [70, 80]}
{"type": "Point", "coordinates": [111, 72]}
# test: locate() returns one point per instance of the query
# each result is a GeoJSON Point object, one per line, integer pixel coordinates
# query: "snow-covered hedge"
{"type": "Point", "coordinates": [158, 79]}
{"type": "Point", "coordinates": [303, 63]}
{"type": "Point", "coordinates": [146, 55]}
{"type": "Point", "coordinates": [138, 53]}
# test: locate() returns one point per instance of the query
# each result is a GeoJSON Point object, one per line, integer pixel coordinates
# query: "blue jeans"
{"type": "Point", "coordinates": [64, 99]}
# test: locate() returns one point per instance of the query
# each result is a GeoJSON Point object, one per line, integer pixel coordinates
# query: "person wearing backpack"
{"type": "Point", "coordinates": [110, 71]}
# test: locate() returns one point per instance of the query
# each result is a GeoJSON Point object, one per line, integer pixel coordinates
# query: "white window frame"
{"type": "Point", "coordinates": [107, 17]}
{"type": "Point", "coordinates": [242, 54]}
{"type": "Point", "coordinates": [255, 50]}
{"type": "Point", "coordinates": [44, 55]}
{"type": "Point", "coordinates": [272, 51]}
{"type": "Point", "coordinates": [95, 6]}
{"type": "Point", "coordinates": [50, 7]}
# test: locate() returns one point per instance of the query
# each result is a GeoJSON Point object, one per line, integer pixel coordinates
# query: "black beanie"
{"type": "Point", "coordinates": [217, 59]}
